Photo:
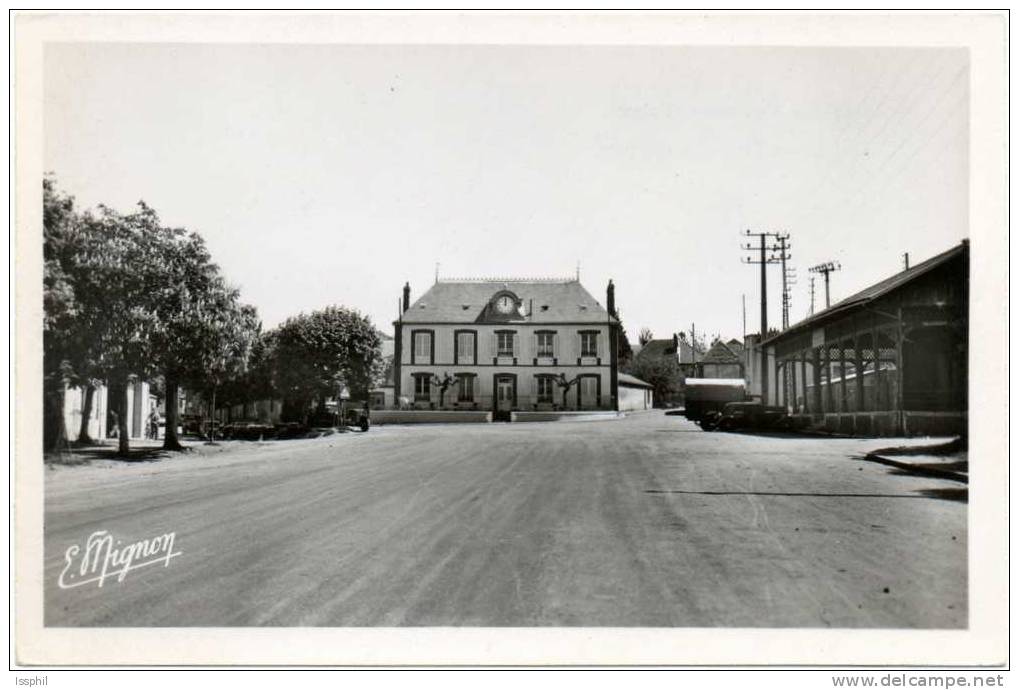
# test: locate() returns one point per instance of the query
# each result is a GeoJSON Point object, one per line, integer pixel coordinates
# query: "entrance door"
{"type": "Point", "coordinates": [505, 394]}
{"type": "Point", "coordinates": [588, 392]}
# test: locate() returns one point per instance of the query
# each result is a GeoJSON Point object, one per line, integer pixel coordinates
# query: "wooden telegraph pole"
{"type": "Point", "coordinates": [826, 269]}
{"type": "Point", "coordinates": [764, 260]}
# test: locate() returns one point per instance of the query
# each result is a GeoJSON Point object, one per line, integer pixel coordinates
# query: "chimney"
{"type": "Point", "coordinates": [406, 297]}
{"type": "Point", "coordinates": [610, 298]}
{"type": "Point", "coordinates": [675, 342]}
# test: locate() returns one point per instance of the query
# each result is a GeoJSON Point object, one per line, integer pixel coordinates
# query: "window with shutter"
{"type": "Point", "coordinates": [505, 344]}
{"type": "Point", "coordinates": [422, 347]}
{"type": "Point", "coordinates": [546, 344]}
{"type": "Point", "coordinates": [465, 347]}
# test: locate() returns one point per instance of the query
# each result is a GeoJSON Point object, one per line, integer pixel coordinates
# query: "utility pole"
{"type": "Point", "coordinates": [826, 269]}
{"type": "Point", "coordinates": [811, 295]}
{"type": "Point", "coordinates": [693, 346]}
{"type": "Point", "coordinates": [764, 260]}
{"type": "Point", "coordinates": [788, 276]}
{"type": "Point", "coordinates": [744, 318]}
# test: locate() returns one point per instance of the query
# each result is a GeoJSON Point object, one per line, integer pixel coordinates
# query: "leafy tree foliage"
{"type": "Point", "coordinates": [661, 372]}
{"type": "Point", "coordinates": [624, 351]}
{"type": "Point", "coordinates": [126, 298]}
{"type": "Point", "coordinates": [312, 355]}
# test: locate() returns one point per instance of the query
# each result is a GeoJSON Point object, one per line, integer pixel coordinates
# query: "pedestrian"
{"type": "Point", "coordinates": [154, 424]}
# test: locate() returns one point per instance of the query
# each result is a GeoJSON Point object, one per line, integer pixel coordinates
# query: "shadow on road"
{"type": "Point", "coordinates": [87, 454]}
{"type": "Point", "coordinates": [943, 494]}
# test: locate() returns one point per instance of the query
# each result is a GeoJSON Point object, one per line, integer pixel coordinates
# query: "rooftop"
{"type": "Point", "coordinates": [543, 300]}
{"type": "Point", "coordinates": [720, 353]}
{"type": "Point", "coordinates": [628, 380]}
{"type": "Point", "coordinates": [878, 289]}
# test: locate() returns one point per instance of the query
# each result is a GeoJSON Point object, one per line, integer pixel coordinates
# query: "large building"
{"type": "Point", "coordinates": [505, 346]}
{"type": "Point", "coordinates": [890, 359]}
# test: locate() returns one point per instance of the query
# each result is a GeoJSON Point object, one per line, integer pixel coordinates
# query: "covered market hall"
{"type": "Point", "coordinates": [889, 360]}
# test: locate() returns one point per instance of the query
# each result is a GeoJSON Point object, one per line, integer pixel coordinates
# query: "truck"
{"type": "Point", "coordinates": [706, 397]}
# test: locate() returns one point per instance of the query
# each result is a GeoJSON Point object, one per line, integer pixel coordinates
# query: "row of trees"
{"type": "Point", "coordinates": [309, 358]}
{"type": "Point", "coordinates": [127, 298]}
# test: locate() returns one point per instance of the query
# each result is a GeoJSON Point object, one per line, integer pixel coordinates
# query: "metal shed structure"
{"type": "Point", "coordinates": [889, 360]}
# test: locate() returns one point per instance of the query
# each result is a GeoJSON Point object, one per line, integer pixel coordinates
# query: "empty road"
{"type": "Point", "coordinates": [642, 521]}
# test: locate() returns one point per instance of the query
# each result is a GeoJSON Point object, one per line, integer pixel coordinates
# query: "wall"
{"type": "Point", "coordinates": [74, 405]}
{"type": "Point", "coordinates": [523, 366]}
{"type": "Point", "coordinates": [139, 405]}
{"type": "Point", "coordinates": [635, 398]}
{"type": "Point", "coordinates": [721, 371]}
{"type": "Point", "coordinates": [484, 389]}
{"type": "Point", "coordinates": [567, 342]}
{"type": "Point", "coordinates": [428, 417]}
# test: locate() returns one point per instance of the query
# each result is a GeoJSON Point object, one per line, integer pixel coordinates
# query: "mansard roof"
{"type": "Point", "coordinates": [542, 301]}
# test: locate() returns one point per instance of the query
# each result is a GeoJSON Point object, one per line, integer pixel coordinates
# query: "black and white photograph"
{"type": "Point", "coordinates": [438, 332]}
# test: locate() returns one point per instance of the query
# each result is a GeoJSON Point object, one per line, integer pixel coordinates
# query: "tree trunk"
{"type": "Point", "coordinates": [54, 429]}
{"type": "Point", "coordinates": [170, 440]}
{"type": "Point", "coordinates": [86, 415]}
{"type": "Point", "coordinates": [118, 391]}
{"type": "Point", "coordinates": [212, 424]}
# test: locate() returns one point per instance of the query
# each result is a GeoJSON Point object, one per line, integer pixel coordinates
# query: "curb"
{"type": "Point", "coordinates": [913, 469]}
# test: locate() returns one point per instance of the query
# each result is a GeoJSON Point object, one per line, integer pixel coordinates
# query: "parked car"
{"type": "Point", "coordinates": [746, 415]}
{"type": "Point", "coordinates": [248, 431]}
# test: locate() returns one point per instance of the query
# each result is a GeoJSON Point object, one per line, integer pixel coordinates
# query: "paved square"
{"type": "Point", "coordinates": [643, 521]}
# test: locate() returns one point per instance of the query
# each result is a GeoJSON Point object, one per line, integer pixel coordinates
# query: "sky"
{"type": "Point", "coordinates": [333, 174]}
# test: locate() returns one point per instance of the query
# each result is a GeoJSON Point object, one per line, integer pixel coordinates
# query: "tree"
{"type": "Point", "coordinates": [204, 335]}
{"type": "Point", "coordinates": [316, 353]}
{"type": "Point", "coordinates": [126, 298]}
{"type": "Point", "coordinates": [662, 373]}
{"type": "Point", "coordinates": [60, 309]}
{"type": "Point", "coordinates": [624, 351]}
{"type": "Point", "coordinates": [117, 270]}
{"type": "Point", "coordinates": [565, 384]}
{"type": "Point", "coordinates": [645, 336]}
{"type": "Point", "coordinates": [228, 331]}
{"type": "Point", "coordinates": [444, 382]}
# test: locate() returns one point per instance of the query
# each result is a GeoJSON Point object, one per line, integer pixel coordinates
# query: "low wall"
{"type": "Point", "coordinates": [553, 416]}
{"type": "Point", "coordinates": [886, 423]}
{"type": "Point", "coordinates": [429, 416]}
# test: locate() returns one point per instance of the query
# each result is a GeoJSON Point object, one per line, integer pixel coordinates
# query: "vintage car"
{"type": "Point", "coordinates": [745, 415]}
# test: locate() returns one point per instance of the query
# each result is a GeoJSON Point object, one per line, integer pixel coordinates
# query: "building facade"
{"type": "Point", "coordinates": [891, 359]}
{"type": "Point", "coordinates": [505, 346]}
{"type": "Point", "coordinates": [101, 424]}
{"type": "Point", "coordinates": [720, 362]}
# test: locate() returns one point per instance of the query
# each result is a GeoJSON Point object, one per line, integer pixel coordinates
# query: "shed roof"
{"type": "Point", "coordinates": [463, 301]}
{"type": "Point", "coordinates": [879, 289]}
{"type": "Point", "coordinates": [633, 381]}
